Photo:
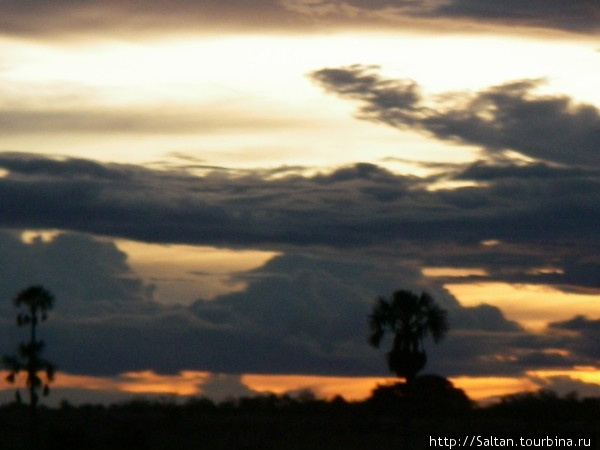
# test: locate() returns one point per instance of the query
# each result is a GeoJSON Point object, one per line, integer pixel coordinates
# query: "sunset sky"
{"type": "Point", "coordinates": [216, 191]}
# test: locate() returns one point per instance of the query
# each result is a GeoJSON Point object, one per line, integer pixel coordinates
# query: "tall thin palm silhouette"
{"type": "Point", "coordinates": [36, 301]}
{"type": "Point", "coordinates": [410, 318]}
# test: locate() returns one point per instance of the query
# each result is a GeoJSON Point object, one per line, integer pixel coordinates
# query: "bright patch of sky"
{"type": "Point", "coordinates": [533, 306]}
{"type": "Point", "coordinates": [184, 273]}
{"type": "Point", "coordinates": [249, 101]}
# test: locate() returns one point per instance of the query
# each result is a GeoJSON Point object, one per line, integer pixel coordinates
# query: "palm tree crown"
{"type": "Point", "coordinates": [36, 300]}
{"type": "Point", "coordinates": [410, 318]}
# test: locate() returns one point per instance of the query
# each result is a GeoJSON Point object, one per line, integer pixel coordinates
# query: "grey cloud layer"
{"type": "Point", "coordinates": [574, 15]}
{"type": "Point", "coordinates": [505, 117]}
{"type": "Point", "coordinates": [544, 215]}
{"type": "Point", "coordinates": [299, 314]}
{"type": "Point", "coordinates": [84, 120]}
{"type": "Point", "coordinates": [587, 331]}
{"type": "Point", "coordinates": [62, 17]}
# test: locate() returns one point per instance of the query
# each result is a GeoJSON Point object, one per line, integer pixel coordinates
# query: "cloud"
{"type": "Point", "coordinates": [63, 17]}
{"type": "Point", "coordinates": [91, 277]}
{"type": "Point", "coordinates": [153, 17]}
{"type": "Point", "coordinates": [575, 15]}
{"type": "Point", "coordinates": [579, 16]}
{"type": "Point", "coordinates": [565, 385]}
{"type": "Point", "coordinates": [504, 117]}
{"type": "Point", "coordinates": [300, 313]}
{"type": "Point", "coordinates": [352, 206]}
{"type": "Point", "coordinates": [578, 323]}
{"type": "Point", "coordinates": [26, 108]}
{"type": "Point", "coordinates": [542, 216]}
{"type": "Point", "coordinates": [587, 333]}
{"type": "Point", "coordinates": [483, 171]}
{"type": "Point", "coordinates": [161, 121]}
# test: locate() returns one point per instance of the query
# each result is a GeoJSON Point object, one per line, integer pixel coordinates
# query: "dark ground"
{"type": "Point", "coordinates": [281, 422]}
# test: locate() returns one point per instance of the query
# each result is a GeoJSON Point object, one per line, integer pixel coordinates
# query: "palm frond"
{"type": "Point", "coordinates": [411, 318]}
{"type": "Point", "coordinates": [35, 298]}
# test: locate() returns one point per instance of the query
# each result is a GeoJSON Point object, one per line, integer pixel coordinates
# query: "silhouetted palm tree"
{"type": "Point", "coordinates": [37, 301]}
{"type": "Point", "coordinates": [410, 318]}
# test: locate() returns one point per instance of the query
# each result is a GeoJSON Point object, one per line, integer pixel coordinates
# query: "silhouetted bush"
{"type": "Point", "coordinates": [426, 395]}
{"type": "Point", "coordinates": [546, 404]}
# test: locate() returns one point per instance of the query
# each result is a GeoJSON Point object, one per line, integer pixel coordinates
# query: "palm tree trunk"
{"type": "Point", "coordinates": [31, 374]}
{"type": "Point", "coordinates": [31, 362]}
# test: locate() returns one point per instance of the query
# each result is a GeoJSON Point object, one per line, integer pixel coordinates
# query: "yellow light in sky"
{"type": "Point", "coordinates": [266, 65]}
{"type": "Point", "coordinates": [488, 388]}
{"type": "Point", "coordinates": [585, 374]}
{"type": "Point", "coordinates": [268, 111]}
{"type": "Point", "coordinates": [29, 236]}
{"type": "Point", "coordinates": [531, 305]}
{"type": "Point", "coordinates": [185, 273]}
{"type": "Point", "coordinates": [181, 273]}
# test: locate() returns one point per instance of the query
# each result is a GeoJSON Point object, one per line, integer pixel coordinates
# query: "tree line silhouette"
{"type": "Point", "coordinates": [410, 318]}
{"type": "Point", "coordinates": [397, 412]}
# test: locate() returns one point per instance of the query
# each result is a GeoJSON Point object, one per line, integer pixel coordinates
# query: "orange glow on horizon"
{"type": "Point", "coordinates": [486, 388]}
{"type": "Point", "coordinates": [190, 383]}
{"type": "Point", "coordinates": [359, 388]}
{"type": "Point", "coordinates": [144, 382]}
{"type": "Point", "coordinates": [452, 272]}
{"type": "Point", "coordinates": [149, 382]}
{"type": "Point", "coordinates": [351, 388]}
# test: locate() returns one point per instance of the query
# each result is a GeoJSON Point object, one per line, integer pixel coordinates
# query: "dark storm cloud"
{"type": "Point", "coordinates": [566, 265]}
{"type": "Point", "coordinates": [585, 332]}
{"type": "Point", "coordinates": [579, 16]}
{"type": "Point", "coordinates": [30, 165]}
{"type": "Point", "coordinates": [482, 171]}
{"type": "Point", "coordinates": [504, 117]}
{"type": "Point", "coordinates": [308, 315]}
{"type": "Point", "coordinates": [572, 15]}
{"type": "Point", "coordinates": [91, 276]}
{"type": "Point", "coordinates": [580, 324]}
{"type": "Point", "coordinates": [318, 307]}
{"type": "Point", "coordinates": [544, 216]}
{"type": "Point", "coordinates": [541, 359]}
{"type": "Point", "coordinates": [485, 353]}
{"type": "Point", "coordinates": [299, 314]}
